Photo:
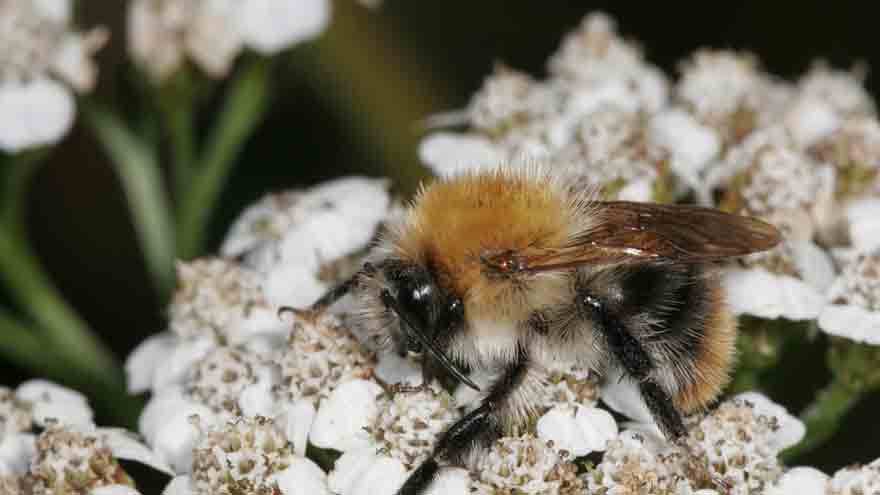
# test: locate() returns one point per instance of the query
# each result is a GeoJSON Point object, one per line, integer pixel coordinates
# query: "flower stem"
{"type": "Point", "coordinates": [822, 418]}
{"type": "Point", "coordinates": [854, 375]}
{"type": "Point", "coordinates": [138, 170]}
{"type": "Point", "coordinates": [179, 119]}
{"type": "Point", "coordinates": [20, 344]}
{"type": "Point", "coordinates": [17, 171]}
{"type": "Point", "coordinates": [244, 109]}
{"type": "Point", "coordinates": [30, 287]}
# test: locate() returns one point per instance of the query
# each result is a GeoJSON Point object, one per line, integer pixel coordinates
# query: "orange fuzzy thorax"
{"type": "Point", "coordinates": [456, 221]}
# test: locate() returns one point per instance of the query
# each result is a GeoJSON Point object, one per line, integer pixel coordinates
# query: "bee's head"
{"type": "Point", "coordinates": [424, 309]}
{"type": "Point", "coordinates": [424, 316]}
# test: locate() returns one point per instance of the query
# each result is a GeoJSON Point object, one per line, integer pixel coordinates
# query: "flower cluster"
{"type": "Point", "coordinates": [49, 444]}
{"type": "Point", "coordinates": [804, 156]}
{"type": "Point", "coordinates": [43, 61]}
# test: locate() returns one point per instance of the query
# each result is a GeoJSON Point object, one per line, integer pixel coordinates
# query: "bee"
{"type": "Point", "coordinates": [513, 271]}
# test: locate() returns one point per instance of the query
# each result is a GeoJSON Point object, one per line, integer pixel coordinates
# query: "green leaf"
{"type": "Point", "coordinates": [138, 169]}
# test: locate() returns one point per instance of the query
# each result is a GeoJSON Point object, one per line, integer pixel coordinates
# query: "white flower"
{"type": "Point", "coordinates": [800, 481]}
{"type": "Point", "coordinates": [856, 480]}
{"type": "Point", "coordinates": [42, 59]}
{"type": "Point", "coordinates": [724, 90]}
{"type": "Point", "coordinates": [35, 403]}
{"type": "Point", "coordinates": [525, 465]}
{"type": "Point", "coordinates": [385, 436]}
{"type": "Point", "coordinates": [853, 309]}
{"type": "Point", "coordinates": [163, 34]}
{"type": "Point", "coordinates": [737, 442]}
{"type": "Point", "coordinates": [788, 282]}
{"type": "Point", "coordinates": [303, 242]}
{"type": "Point", "coordinates": [319, 356]}
{"type": "Point", "coordinates": [217, 303]}
{"type": "Point", "coordinates": [863, 222]}
{"type": "Point", "coordinates": [448, 154]}
{"type": "Point", "coordinates": [577, 430]}
{"type": "Point", "coordinates": [75, 458]}
{"type": "Point", "coordinates": [226, 384]}
{"type": "Point", "coordinates": [248, 456]}
{"type": "Point", "coordinates": [571, 422]}
{"type": "Point", "coordinates": [690, 145]}
{"type": "Point", "coordinates": [594, 57]}
{"type": "Point", "coordinates": [843, 90]}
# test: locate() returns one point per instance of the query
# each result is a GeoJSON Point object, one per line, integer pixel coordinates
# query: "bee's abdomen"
{"type": "Point", "coordinates": [678, 315]}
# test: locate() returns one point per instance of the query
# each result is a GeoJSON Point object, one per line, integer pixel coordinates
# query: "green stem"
{"type": "Point", "coordinates": [20, 344]}
{"type": "Point", "coordinates": [244, 109]}
{"type": "Point", "coordinates": [18, 171]}
{"type": "Point", "coordinates": [823, 417]}
{"type": "Point", "coordinates": [30, 287]}
{"type": "Point", "coordinates": [138, 169]}
{"type": "Point", "coordinates": [181, 132]}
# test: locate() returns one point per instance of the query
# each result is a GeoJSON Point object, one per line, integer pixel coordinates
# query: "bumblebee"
{"type": "Point", "coordinates": [510, 270]}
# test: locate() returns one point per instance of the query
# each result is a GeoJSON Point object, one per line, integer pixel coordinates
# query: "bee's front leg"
{"type": "Point", "coordinates": [478, 429]}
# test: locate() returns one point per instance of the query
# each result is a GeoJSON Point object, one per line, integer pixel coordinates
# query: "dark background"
{"type": "Point", "coordinates": [351, 101]}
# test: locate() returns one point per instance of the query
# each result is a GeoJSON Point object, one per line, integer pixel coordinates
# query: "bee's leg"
{"type": "Point", "coordinates": [331, 296]}
{"type": "Point", "coordinates": [478, 429]}
{"type": "Point", "coordinates": [638, 365]}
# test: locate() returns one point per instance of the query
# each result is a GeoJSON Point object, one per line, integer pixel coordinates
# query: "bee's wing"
{"type": "Point", "coordinates": [641, 231]}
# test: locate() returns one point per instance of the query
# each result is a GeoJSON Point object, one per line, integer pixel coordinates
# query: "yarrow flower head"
{"type": "Point", "coordinates": [737, 443]}
{"type": "Point", "coordinates": [321, 355]}
{"type": "Point", "coordinates": [69, 461]}
{"type": "Point", "coordinates": [43, 61]}
{"type": "Point", "coordinates": [305, 241]}
{"type": "Point", "coordinates": [854, 301]}
{"type": "Point", "coordinates": [411, 421]}
{"type": "Point", "coordinates": [525, 465]}
{"type": "Point", "coordinates": [248, 456]}
{"type": "Point", "coordinates": [165, 34]}
{"type": "Point", "coordinates": [855, 480]}
{"type": "Point", "coordinates": [217, 303]}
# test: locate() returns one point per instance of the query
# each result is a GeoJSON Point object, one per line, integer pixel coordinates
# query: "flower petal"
{"type": "Point", "coordinates": [54, 402]}
{"type": "Point", "coordinates": [579, 431]}
{"type": "Point", "coordinates": [863, 217]}
{"type": "Point", "coordinates": [790, 429]}
{"type": "Point", "coordinates": [853, 322]}
{"type": "Point", "coordinates": [36, 113]}
{"type": "Point", "coordinates": [166, 423]}
{"type": "Point", "coordinates": [302, 477]}
{"type": "Point", "coordinates": [114, 490]}
{"type": "Point", "coordinates": [16, 453]}
{"type": "Point", "coordinates": [299, 418]}
{"type": "Point", "coordinates": [179, 485]}
{"type": "Point", "coordinates": [447, 153]}
{"type": "Point", "coordinates": [180, 360]}
{"type": "Point", "coordinates": [362, 472]}
{"type": "Point", "coordinates": [800, 481]}
{"type": "Point", "coordinates": [392, 369]}
{"type": "Point", "coordinates": [450, 481]}
{"type": "Point", "coordinates": [343, 416]}
{"type": "Point", "coordinates": [690, 145]}
{"type": "Point", "coordinates": [623, 396]}
{"type": "Point", "coordinates": [55, 10]}
{"type": "Point", "coordinates": [270, 26]}
{"type": "Point", "coordinates": [124, 446]}
{"type": "Point", "coordinates": [760, 293]}
{"type": "Point", "coordinates": [145, 359]}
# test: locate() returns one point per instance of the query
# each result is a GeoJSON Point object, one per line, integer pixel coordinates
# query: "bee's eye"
{"type": "Point", "coordinates": [456, 308]}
